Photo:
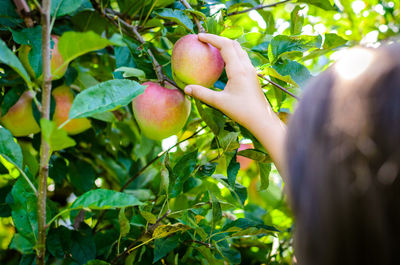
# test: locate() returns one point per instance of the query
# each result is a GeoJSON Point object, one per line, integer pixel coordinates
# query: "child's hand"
{"type": "Point", "coordinates": [242, 99]}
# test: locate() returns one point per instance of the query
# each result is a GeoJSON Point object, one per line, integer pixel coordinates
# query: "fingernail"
{"type": "Point", "coordinates": [188, 90]}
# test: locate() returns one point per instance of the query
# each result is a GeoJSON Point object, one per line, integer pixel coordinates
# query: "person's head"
{"type": "Point", "coordinates": [343, 155]}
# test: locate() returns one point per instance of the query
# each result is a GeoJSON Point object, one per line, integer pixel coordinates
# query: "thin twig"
{"type": "Point", "coordinates": [23, 11]}
{"type": "Point", "coordinates": [112, 16]}
{"type": "Point", "coordinates": [158, 156]}
{"type": "Point", "coordinates": [196, 20]}
{"type": "Point", "coordinates": [149, 231]}
{"type": "Point", "coordinates": [101, 217]}
{"type": "Point", "coordinates": [44, 146]}
{"type": "Point", "coordinates": [257, 8]}
{"type": "Point", "coordinates": [278, 86]}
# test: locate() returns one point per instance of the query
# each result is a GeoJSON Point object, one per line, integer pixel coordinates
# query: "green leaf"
{"type": "Point", "coordinates": [124, 225]}
{"type": "Point", "coordinates": [33, 38]}
{"type": "Point", "coordinates": [333, 40]}
{"type": "Point", "coordinates": [64, 7]}
{"type": "Point", "coordinates": [101, 199]}
{"type": "Point", "coordinates": [282, 45]}
{"type": "Point", "coordinates": [177, 16]}
{"type": "Point", "coordinates": [23, 203]}
{"type": "Point", "coordinates": [73, 44]}
{"type": "Point", "coordinates": [182, 171]}
{"type": "Point", "coordinates": [324, 4]}
{"type": "Point", "coordinates": [232, 171]}
{"type": "Point", "coordinates": [232, 32]}
{"type": "Point", "coordinates": [9, 58]}
{"type": "Point", "coordinates": [296, 21]}
{"type": "Point", "coordinates": [163, 246]}
{"type": "Point", "coordinates": [269, 20]}
{"type": "Point", "coordinates": [270, 71]}
{"type": "Point", "coordinates": [22, 244]}
{"type": "Point", "coordinates": [228, 140]}
{"type": "Point", "coordinates": [206, 170]}
{"type": "Point", "coordinates": [166, 230]}
{"type": "Point", "coordinates": [132, 72]}
{"type": "Point", "coordinates": [9, 149]}
{"type": "Point", "coordinates": [256, 155]}
{"type": "Point", "coordinates": [265, 169]}
{"type": "Point", "coordinates": [213, 118]}
{"type": "Point", "coordinates": [81, 175]}
{"type": "Point", "coordinates": [5, 210]}
{"type": "Point", "coordinates": [229, 254]}
{"type": "Point", "coordinates": [216, 209]}
{"type": "Point", "coordinates": [239, 192]}
{"type": "Point", "coordinates": [58, 241]}
{"type": "Point", "coordinates": [103, 97]}
{"type": "Point", "coordinates": [83, 247]}
{"type": "Point", "coordinates": [151, 218]}
{"type": "Point", "coordinates": [245, 223]}
{"type": "Point", "coordinates": [57, 139]}
{"type": "Point", "coordinates": [297, 72]}
{"type": "Point", "coordinates": [97, 262]}
{"type": "Point", "coordinates": [215, 24]}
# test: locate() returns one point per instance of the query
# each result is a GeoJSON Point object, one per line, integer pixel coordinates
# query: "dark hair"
{"type": "Point", "coordinates": [343, 155]}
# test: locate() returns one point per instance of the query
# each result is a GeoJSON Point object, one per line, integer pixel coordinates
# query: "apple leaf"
{"type": "Point", "coordinates": [9, 149]}
{"type": "Point", "coordinates": [105, 96]}
{"type": "Point", "coordinates": [57, 139]}
{"type": "Point", "coordinates": [9, 58]}
{"type": "Point", "coordinates": [74, 44]}
{"type": "Point", "coordinates": [177, 16]}
{"type": "Point", "coordinates": [101, 199]}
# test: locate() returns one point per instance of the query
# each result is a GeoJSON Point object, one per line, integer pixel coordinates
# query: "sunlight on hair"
{"type": "Point", "coordinates": [353, 63]}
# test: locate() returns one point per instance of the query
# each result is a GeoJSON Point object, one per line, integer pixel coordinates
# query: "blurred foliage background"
{"type": "Point", "coordinates": [189, 183]}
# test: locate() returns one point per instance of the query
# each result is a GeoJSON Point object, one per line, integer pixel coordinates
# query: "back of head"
{"type": "Point", "coordinates": [344, 162]}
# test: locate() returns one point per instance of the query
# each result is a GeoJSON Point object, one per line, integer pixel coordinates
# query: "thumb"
{"type": "Point", "coordinates": [204, 94]}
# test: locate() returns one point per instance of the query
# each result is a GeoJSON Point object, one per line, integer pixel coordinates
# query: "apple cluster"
{"type": "Point", "coordinates": [161, 111]}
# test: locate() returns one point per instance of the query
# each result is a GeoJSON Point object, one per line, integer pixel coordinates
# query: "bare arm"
{"type": "Point", "coordinates": [243, 99]}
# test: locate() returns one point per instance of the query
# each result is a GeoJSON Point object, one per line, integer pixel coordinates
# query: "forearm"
{"type": "Point", "coordinates": [271, 132]}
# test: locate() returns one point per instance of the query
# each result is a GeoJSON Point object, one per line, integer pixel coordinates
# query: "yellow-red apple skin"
{"type": "Point", "coordinates": [56, 60]}
{"type": "Point", "coordinates": [161, 111]}
{"type": "Point", "coordinates": [244, 162]}
{"type": "Point", "coordinates": [19, 119]}
{"type": "Point", "coordinates": [195, 63]}
{"type": "Point", "coordinates": [64, 97]}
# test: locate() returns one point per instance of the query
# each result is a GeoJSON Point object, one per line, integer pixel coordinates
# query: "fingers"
{"type": "Point", "coordinates": [206, 95]}
{"type": "Point", "coordinates": [236, 59]}
{"type": "Point", "coordinates": [225, 46]}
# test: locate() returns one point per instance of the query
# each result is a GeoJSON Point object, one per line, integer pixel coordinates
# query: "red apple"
{"type": "Point", "coordinates": [56, 60]}
{"type": "Point", "coordinates": [64, 98]}
{"type": "Point", "coordinates": [161, 111]}
{"type": "Point", "coordinates": [19, 119]}
{"type": "Point", "coordinates": [244, 162]}
{"type": "Point", "coordinates": [195, 63]}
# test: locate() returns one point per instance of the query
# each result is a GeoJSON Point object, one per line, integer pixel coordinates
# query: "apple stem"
{"type": "Point", "coordinates": [196, 20]}
{"type": "Point", "coordinates": [44, 146]}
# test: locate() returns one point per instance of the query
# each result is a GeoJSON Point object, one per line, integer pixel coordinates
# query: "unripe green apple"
{"type": "Point", "coordinates": [244, 162]}
{"type": "Point", "coordinates": [19, 119]}
{"type": "Point", "coordinates": [161, 111]}
{"type": "Point", "coordinates": [56, 60]}
{"type": "Point", "coordinates": [195, 63]}
{"type": "Point", "coordinates": [64, 97]}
